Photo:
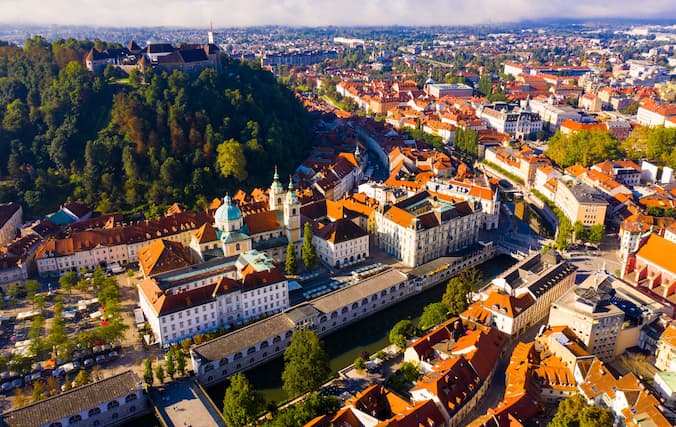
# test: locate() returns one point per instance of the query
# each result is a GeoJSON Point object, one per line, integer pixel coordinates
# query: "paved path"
{"type": "Point", "coordinates": [182, 403]}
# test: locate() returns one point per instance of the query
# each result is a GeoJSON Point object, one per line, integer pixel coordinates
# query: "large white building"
{"type": "Point", "coordinates": [218, 293]}
{"type": "Point", "coordinates": [427, 226]}
{"type": "Point", "coordinates": [482, 192]}
{"type": "Point", "coordinates": [515, 123]}
{"type": "Point", "coordinates": [653, 113]}
{"type": "Point", "coordinates": [341, 243]}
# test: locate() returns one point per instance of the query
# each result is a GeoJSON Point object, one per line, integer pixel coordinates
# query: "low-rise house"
{"type": "Point", "coordinates": [626, 396]}
{"type": "Point", "coordinates": [16, 260]}
{"type": "Point", "coordinates": [111, 401]}
{"type": "Point", "coordinates": [665, 354]}
{"type": "Point", "coordinates": [522, 163]}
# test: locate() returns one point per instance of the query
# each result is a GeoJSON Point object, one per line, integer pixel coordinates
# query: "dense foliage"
{"type": "Point", "coordinates": [302, 412]}
{"type": "Point", "coordinates": [433, 314]}
{"type": "Point", "coordinates": [306, 363]}
{"type": "Point", "coordinates": [575, 412]}
{"type": "Point", "coordinates": [242, 402]}
{"type": "Point", "coordinates": [458, 290]}
{"type": "Point", "coordinates": [584, 147]}
{"type": "Point", "coordinates": [122, 143]}
{"type": "Point", "coordinates": [400, 332]}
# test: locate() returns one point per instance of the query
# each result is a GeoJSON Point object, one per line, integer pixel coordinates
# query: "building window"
{"type": "Point", "coordinates": [113, 404]}
{"type": "Point", "coordinates": [93, 411]}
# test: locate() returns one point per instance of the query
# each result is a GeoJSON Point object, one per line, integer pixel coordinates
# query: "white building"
{"type": "Point", "coordinates": [427, 226]}
{"type": "Point", "coordinates": [522, 296]}
{"type": "Point", "coordinates": [516, 123]}
{"type": "Point", "coordinates": [341, 243]}
{"type": "Point", "coordinates": [220, 293]}
{"type": "Point", "coordinates": [552, 114]}
{"type": "Point", "coordinates": [652, 113]}
{"type": "Point", "coordinates": [477, 191]}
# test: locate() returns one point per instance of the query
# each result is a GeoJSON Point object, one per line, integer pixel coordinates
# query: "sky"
{"type": "Point", "coordinates": [229, 13]}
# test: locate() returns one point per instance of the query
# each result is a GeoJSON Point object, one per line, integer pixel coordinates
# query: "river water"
{"type": "Point", "coordinates": [367, 335]}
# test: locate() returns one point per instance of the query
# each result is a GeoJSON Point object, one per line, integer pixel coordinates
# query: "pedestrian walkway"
{"type": "Point", "coordinates": [182, 403]}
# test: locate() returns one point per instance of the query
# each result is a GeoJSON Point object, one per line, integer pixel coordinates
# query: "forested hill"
{"type": "Point", "coordinates": [124, 145]}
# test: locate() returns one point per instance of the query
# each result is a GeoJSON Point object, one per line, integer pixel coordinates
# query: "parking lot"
{"type": "Point", "coordinates": [82, 315]}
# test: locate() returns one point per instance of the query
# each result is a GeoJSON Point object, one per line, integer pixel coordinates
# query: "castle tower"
{"type": "Point", "coordinates": [276, 193]}
{"type": "Point", "coordinates": [292, 214]}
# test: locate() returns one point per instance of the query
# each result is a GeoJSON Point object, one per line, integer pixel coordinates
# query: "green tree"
{"type": "Point", "coordinates": [171, 364]}
{"type": "Point", "coordinates": [180, 362]}
{"type": "Point", "coordinates": [242, 402]}
{"type": "Point", "coordinates": [307, 251]}
{"type": "Point", "coordinates": [359, 363]}
{"type": "Point", "coordinates": [148, 376]}
{"type": "Point", "coordinates": [82, 378]}
{"type": "Point", "coordinates": [400, 332]}
{"type": "Point", "coordinates": [35, 333]}
{"type": "Point", "coordinates": [575, 412]}
{"type": "Point", "coordinates": [306, 364]}
{"type": "Point", "coordinates": [159, 373]}
{"type": "Point", "coordinates": [32, 288]}
{"type": "Point", "coordinates": [231, 160]}
{"type": "Point", "coordinates": [596, 233]}
{"type": "Point", "coordinates": [68, 280]}
{"type": "Point", "coordinates": [456, 297]}
{"type": "Point", "coordinates": [291, 264]}
{"type": "Point", "coordinates": [580, 231]}
{"type": "Point", "coordinates": [433, 314]}
{"type": "Point", "coordinates": [564, 231]}
{"type": "Point", "coordinates": [38, 391]}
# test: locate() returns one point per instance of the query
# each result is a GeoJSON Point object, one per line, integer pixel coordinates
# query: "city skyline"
{"type": "Point", "coordinates": [226, 13]}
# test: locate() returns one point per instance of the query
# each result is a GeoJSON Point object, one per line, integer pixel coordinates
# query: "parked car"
{"type": "Point", "coordinates": [100, 358]}
{"type": "Point", "coordinates": [17, 383]}
{"type": "Point", "coordinates": [88, 363]}
{"type": "Point", "coordinates": [58, 372]}
{"type": "Point", "coordinates": [28, 379]}
{"type": "Point", "coordinates": [113, 355]}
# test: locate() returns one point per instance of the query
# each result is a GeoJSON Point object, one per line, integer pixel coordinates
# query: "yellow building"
{"type": "Point", "coordinates": [580, 202]}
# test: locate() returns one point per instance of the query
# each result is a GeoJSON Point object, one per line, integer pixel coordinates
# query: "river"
{"type": "Point", "coordinates": [367, 335]}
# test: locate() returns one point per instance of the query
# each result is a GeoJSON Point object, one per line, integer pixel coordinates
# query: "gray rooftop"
{"type": "Point", "coordinates": [355, 293]}
{"type": "Point", "coordinates": [245, 337]}
{"type": "Point", "coordinates": [204, 269]}
{"type": "Point", "coordinates": [74, 401]}
{"type": "Point", "coordinates": [279, 324]}
{"type": "Point", "coordinates": [586, 194]}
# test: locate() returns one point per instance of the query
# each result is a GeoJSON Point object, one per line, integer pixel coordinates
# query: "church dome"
{"type": "Point", "coordinates": [227, 212]}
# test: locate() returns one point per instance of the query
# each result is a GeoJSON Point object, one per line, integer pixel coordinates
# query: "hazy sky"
{"type": "Point", "coordinates": [198, 13]}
